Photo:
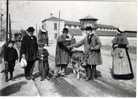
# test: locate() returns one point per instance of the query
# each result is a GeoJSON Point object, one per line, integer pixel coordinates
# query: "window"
{"type": "Point", "coordinates": [55, 26]}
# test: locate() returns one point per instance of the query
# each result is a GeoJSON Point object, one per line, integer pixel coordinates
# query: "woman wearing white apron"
{"type": "Point", "coordinates": [121, 64]}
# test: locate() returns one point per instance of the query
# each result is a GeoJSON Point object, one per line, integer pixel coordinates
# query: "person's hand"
{"type": "Point", "coordinates": [16, 61]}
{"type": "Point", "coordinates": [23, 56]}
{"type": "Point", "coordinates": [127, 47]}
{"type": "Point", "coordinates": [116, 45]}
{"type": "Point", "coordinates": [70, 47]}
{"type": "Point", "coordinates": [91, 48]}
{"type": "Point", "coordinates": [5, 62]}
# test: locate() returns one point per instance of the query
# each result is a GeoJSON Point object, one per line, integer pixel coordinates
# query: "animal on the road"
{"type": "Point", "coordinates": [78, 64]}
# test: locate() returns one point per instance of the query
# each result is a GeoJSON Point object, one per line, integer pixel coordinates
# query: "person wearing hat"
{"type": "Point", "coordinates": [62, 52]}
{"type": "Point", "coordinates": [92, 45]}
{"type": "Point", "coordinates": [121, 65]}
{"type": "Point", "coordinates": [43, 36]}
{"type": "Point", "coordinates": [28, 51]}
{"type": "Point", "coordinates": [10, 57]}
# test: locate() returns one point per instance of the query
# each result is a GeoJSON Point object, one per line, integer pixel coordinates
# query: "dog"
{"type": "Point", "coordinates": [78, 64]}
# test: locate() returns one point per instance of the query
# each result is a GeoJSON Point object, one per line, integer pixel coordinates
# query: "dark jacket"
{"type": "Point", "coordinates": [10, 54]}
{"type": "Point", "coordinates": [120, 40]}
{"type": "Point", "coordinates": [44, 52]}
{"type": "Point", "coordinates": [29, 47]}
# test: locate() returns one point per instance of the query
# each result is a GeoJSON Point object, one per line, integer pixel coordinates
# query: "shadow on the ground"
{"type": "Point", "coordinates": [98, 74]}
{"type": "Point", "coordinates": [112, 88]}
{"type": "Point", "coordinates": [11, 89]}
{"type": "Point", "coordinates": [66, 89]}
{"type": "Point", "coordinates": [19, 76]}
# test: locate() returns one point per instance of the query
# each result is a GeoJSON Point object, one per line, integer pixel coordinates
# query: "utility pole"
{"type": "Point", "coordinates": [59, 25]}
{"type": "Point", "coordinates": [36, 31]}
{"type": "Point", "coordinates": [1, 22]}
{"type": "Point", "coordinates": [1, 27]}
{"type": "Point", "coordinates": [7, 19]}
{"type": "Point", "coordinates": [10, 32]}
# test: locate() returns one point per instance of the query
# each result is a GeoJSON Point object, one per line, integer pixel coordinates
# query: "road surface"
{"type": "Point", "coordinates": [103, 86]}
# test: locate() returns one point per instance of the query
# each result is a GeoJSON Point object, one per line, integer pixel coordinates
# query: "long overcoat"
{"type": "Point", "coordinates": [62, 52]}
{"type": "Point", "coordinates": [29, 47]}
{"type": "Point", "coordinates": [91, 49]}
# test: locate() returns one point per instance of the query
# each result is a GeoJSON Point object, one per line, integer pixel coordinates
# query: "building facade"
{"type": "Point", "coordinates": [54, 26]}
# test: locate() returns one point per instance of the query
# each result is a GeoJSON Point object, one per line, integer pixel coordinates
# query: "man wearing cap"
{"type": "Point", "coordinates": [29, 48]}
{"type": "Point", "coordinates": [92, 45]}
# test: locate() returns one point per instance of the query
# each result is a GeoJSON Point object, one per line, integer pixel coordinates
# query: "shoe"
{"type": "Point", "coordinates": [42, 79]}
{"type": "Point", "coordinates": [28, 78]}
{"type": "Point", "coordinates": [6, 80]}
{"type": "Point", "coordinates": [47, 78]}
{"type": "Point", "coordinates": [87, 79]}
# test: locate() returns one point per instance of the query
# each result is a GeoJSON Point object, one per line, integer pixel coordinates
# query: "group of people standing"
{"type": "Point", "coordinates": [33, 51]}
{"type": "Point", "coordinates": [92, 50]}
{"type": "Point", "coordinates": [92, 45]}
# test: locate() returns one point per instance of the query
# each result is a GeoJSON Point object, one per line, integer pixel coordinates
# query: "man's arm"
{"type": "Point", "coordinates": [23, 47]}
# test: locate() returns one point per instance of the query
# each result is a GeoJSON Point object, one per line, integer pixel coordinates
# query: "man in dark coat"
{"type": "Point", "coordinates": [29, 48]}
{"type": "Point", "coordinates": [10, 56]}
{"type": "Point", "coordinates": [62, 52]}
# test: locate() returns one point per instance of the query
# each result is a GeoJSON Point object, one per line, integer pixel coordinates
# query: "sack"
{"type": "Point", "coordinates": [23, 63]}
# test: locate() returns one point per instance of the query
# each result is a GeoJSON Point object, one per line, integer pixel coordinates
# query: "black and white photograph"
{"type": "Point", "coordinates": [65, 48]}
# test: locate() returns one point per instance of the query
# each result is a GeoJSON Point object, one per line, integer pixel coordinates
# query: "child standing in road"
{"type": "Point", "coordinates": [10, 57]}
{"type": "Point", "coordinates": [43, 61]}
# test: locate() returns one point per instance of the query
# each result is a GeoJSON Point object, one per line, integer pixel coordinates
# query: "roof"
{"type": "Point", "coordinates": [52, 19]}
{"type": "Point", "coordinates": [71, 23]}
{"type": "Point", "coordinates": [106, 26]}
{"type": "Point", "coordinates": [89, 18]}
{"type": "Point", "coordinates": [75, 32]}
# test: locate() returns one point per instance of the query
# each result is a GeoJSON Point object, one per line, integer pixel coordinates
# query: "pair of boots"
{"type": "Point", "coordinates": [59, 72]}
{"type": "Point", "coordinates": [6, 76]}
{"type": "Point", "coordinates": [43, 77]}
{"type": "Point", "coordinates": [91, 72]}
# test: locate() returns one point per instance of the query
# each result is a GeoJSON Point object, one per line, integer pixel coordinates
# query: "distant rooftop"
{"type": "Point", "coordinates": [75, 32]}
{"type": "Point", "coordinates": [72, 22]}
{"type": "Point", "coordinates": [67, 22]}
{"type": "Point", "coordinates": [52, 19]}
{"type": "Point", "coordinates": [106, 26]}
{"type": "Point", "coordinates": [88, 18]}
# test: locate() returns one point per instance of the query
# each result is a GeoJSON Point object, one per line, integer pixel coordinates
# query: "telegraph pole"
{"type": "Point", "coordinates": [10, 33]}
{"type": "Point", "coordinates": [59, 25]}
{"type": "Point", "coordinates": [1, 22]}
{"type": "Point", "coordinates": [7, 19]}
{"type": "Point", "coordinates": [1, 27]}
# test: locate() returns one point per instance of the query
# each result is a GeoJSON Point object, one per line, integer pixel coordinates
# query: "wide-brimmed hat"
{"type": "Point", "coordinates": [65, 30]}
{"type": "Point", "coordinates": [42, 29]}
{"type": "Point", "coordinates": [91, 28]}
{"type": "Point", "coordinates": [30, 29]}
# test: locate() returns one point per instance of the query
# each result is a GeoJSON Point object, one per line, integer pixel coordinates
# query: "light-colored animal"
{"type": "Point", "coordinates": [78, 64]}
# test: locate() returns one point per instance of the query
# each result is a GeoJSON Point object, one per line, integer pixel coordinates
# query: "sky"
{"type": "Point", "coordinates": [30, 13]}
